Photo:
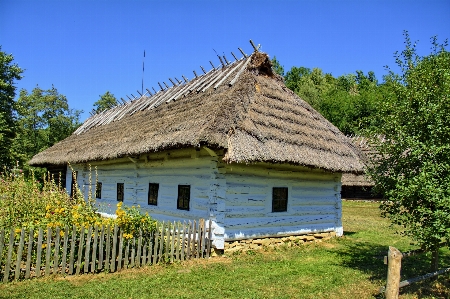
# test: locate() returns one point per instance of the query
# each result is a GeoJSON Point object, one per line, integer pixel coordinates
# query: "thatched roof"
{"type": "Point", "coordinates": [243, 108]}
{"type": "Point", "coordinates": [365, 153]}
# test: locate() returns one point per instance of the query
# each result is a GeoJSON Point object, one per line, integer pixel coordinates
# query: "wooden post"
{"type": "Point", "coordinates": [393, 276]}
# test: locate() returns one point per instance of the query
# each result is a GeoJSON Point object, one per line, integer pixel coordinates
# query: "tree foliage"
{"type": "Point", "coordinates": [277, 67]}
{"type": "Point", "coordinates": [348, 101]}
{"type": "Point", "coordinates": [413, 166]}
{"type": "Point", "coordinates": [9, 73]}
{"type": "Point", "coordinates": [106, 101]}
{"type": "Point", "coordinates": [43, 119]}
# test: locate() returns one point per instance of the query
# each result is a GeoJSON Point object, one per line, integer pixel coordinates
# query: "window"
{"type": "Point", "coordinates": [73, 186]}
{"type": "Point", "coordinates": [119, 191]}
{"type": "Point", "coordinates": [98, 190]}
{"type": "Point", "coordinates": [184, 196]}
{"type": "Point", "coordinates": [153, 194]}
{"type": "Point", "coordinates": [279, 199]}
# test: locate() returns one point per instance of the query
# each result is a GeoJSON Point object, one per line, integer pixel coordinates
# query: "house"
{"type": "Point", "coordinates": [234, 145]}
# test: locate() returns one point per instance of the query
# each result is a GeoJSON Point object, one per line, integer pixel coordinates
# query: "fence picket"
{"type": "Point", "coordinates": [133, 253]}
{"type": "Point", "coordinates": [108, 247]}
{"type": "Point", "coordinates": [138, 254]}
{"type": "Point", "coordinates": [87, 250]}
{"type": "Point", "coordinates": [64, 255]}
{"type": "Point", "coordinates": [114, 247]}
{"type": "Point", "coordinates": [150, 250]}
{"type": "Point", "coordinates": [144, 252]}
{"type": "Point", "coordinates": [167, 246]}
{"type": "Point", "coordinates": [119, 258]}
{"type": "Point", "coordinates": [19, 254]}
{"type": "Point", "coordinates": [72, 249]}
{"type": "Point", "coordinates": [183, 240]}
{"type": "Point", "coordinates": [127, 252]}
{"type": "Point", "coordinates": [188, 257]}
{"type": "Point", "coordinates": [195, 248]}
{"type": "Point", "coordinates": [100, 248]}
{"type": "Point", "coordinates": [49, 251]}
{"type": "Point", "coordinates": [202, 238]}
{"type": "Point", "coordinates": [29, 251]}
{"type": "Point", "coordinates": [94, 249]}
{"type": "Point", "coordinates": [80, 251]}
{"type": "Point", "coordinates": [177, 254]}
{"type": "Point", "coordinates": [56, 255]}
{"type": "Point", "coordinates": [8, 258]}
{"type": "Point", "coordinates": [161, 242]}
{"type": "Point", "coordinates": [208, 248]}
{"type": "Point", "coordinates": [39, 253]}
{"type": "Point", "coordinates": [172, 242]}
{"type": "Point", "coordinates": [155, 249]}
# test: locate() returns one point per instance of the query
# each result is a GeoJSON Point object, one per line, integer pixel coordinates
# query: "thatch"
{"type": "Point", "coordinates": [365, 153]}
{"type": "Point", "coordinates": [252, 115]}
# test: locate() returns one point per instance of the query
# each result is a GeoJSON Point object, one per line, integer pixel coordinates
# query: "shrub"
{"type": "Point", "coordinates": [30, 203]}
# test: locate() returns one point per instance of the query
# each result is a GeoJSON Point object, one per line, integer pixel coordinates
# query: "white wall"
{"type": "Point", "coordinates": [237, 197]}
{"type": "Point", "coordinates": [313, 201]}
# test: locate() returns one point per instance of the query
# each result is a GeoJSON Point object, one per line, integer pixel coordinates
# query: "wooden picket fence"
{"type": "Point", "coordinates": [33, 253]}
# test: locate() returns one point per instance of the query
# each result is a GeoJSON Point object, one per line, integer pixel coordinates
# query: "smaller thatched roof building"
{"type": "Point", "coordinates": [358, 185]}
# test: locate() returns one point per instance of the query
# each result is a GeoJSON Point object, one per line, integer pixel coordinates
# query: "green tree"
{"type": "Point", "coordinates": [277, 67]}
{"type": "Point", "coordinates": [9, 73]}
{"type": "Point", "coordinates": [106, 101]}
{"type": "Point", "coordinates": [44, 118]}
{"type": "Point", "coordinates": [412, 168]}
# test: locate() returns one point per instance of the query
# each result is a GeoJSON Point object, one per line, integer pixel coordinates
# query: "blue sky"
{"type": "Point", "coordinates": [85, 48]}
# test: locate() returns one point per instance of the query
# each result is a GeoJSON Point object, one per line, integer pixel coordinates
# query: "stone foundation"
{"type": "Point", "coordinates": [266, 243]}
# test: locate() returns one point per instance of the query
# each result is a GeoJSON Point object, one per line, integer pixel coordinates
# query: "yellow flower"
{"type": "Point", "coordinates": [61, 233]}
{"type": "Point", "coordinates": [18, 230]}
{"type": "Point", "coordinates": [142, 220]}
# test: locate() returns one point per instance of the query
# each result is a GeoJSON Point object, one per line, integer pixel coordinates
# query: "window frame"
{"type": "Point", "coordinates": [280, 205]}
{"type": "Point", "coordinates": [153, 201]}
{"type": "Point", "coordinates": [183, 203]}
{"type": "Point", "coordinates": [120, 196]}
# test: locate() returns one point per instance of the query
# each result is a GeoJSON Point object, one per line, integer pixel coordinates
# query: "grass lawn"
{"type": "Point", "coordinates": [347, 267]}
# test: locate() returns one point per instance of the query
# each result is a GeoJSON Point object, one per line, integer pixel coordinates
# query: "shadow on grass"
{"type": "Point", "coordinates": [368, 258]}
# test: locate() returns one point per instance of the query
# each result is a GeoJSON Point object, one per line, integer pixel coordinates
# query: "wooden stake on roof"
{"type": "Point", "coordinates": [214, 68]}
{"type": "Point", "coordinates": [134, 98]}
{"type": "Point", "coordinates": [179, 82]}
{"type": "Point", "coordinates": [166, 85]}
{"type": "Point", "coordinates": [185, 79]}
{"type": "Point", "coordinates": [154, 89]}
{"type": "Point", "coordinates": [172, 82]}
{"type": "Point", "coordinates": [234, 56]}
{"type": "Point", "coordinates": [160, 86]}
{"type": "Point", "coordinates": [221, 61]}
{"type": "Point", "coordinates": [123, 101]}
{"type": "Point", "coordinates": [203, 69]}
{"type": "Point", "coordinates": [139, 93]}
{"type": "Point", "coordinates": [254, 47]}
{"type": "Point", "coordinates": [195, 74]}
{"type": "Point", "coordinates": [128, 98]}
{"type": "Point", "coordinates": [245, 55]}
{"type": "Point", "coordinates": [149, 91]}
{"type": "Point", "coordinates": [225, 59]}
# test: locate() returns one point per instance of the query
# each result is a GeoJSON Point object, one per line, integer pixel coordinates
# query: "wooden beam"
{"type": "Point", "coordinates": [234, 56]}
{"type": "Point", "coordinates": [245, 55]}
{"type": "Point", "coordinates": [211, 152]}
